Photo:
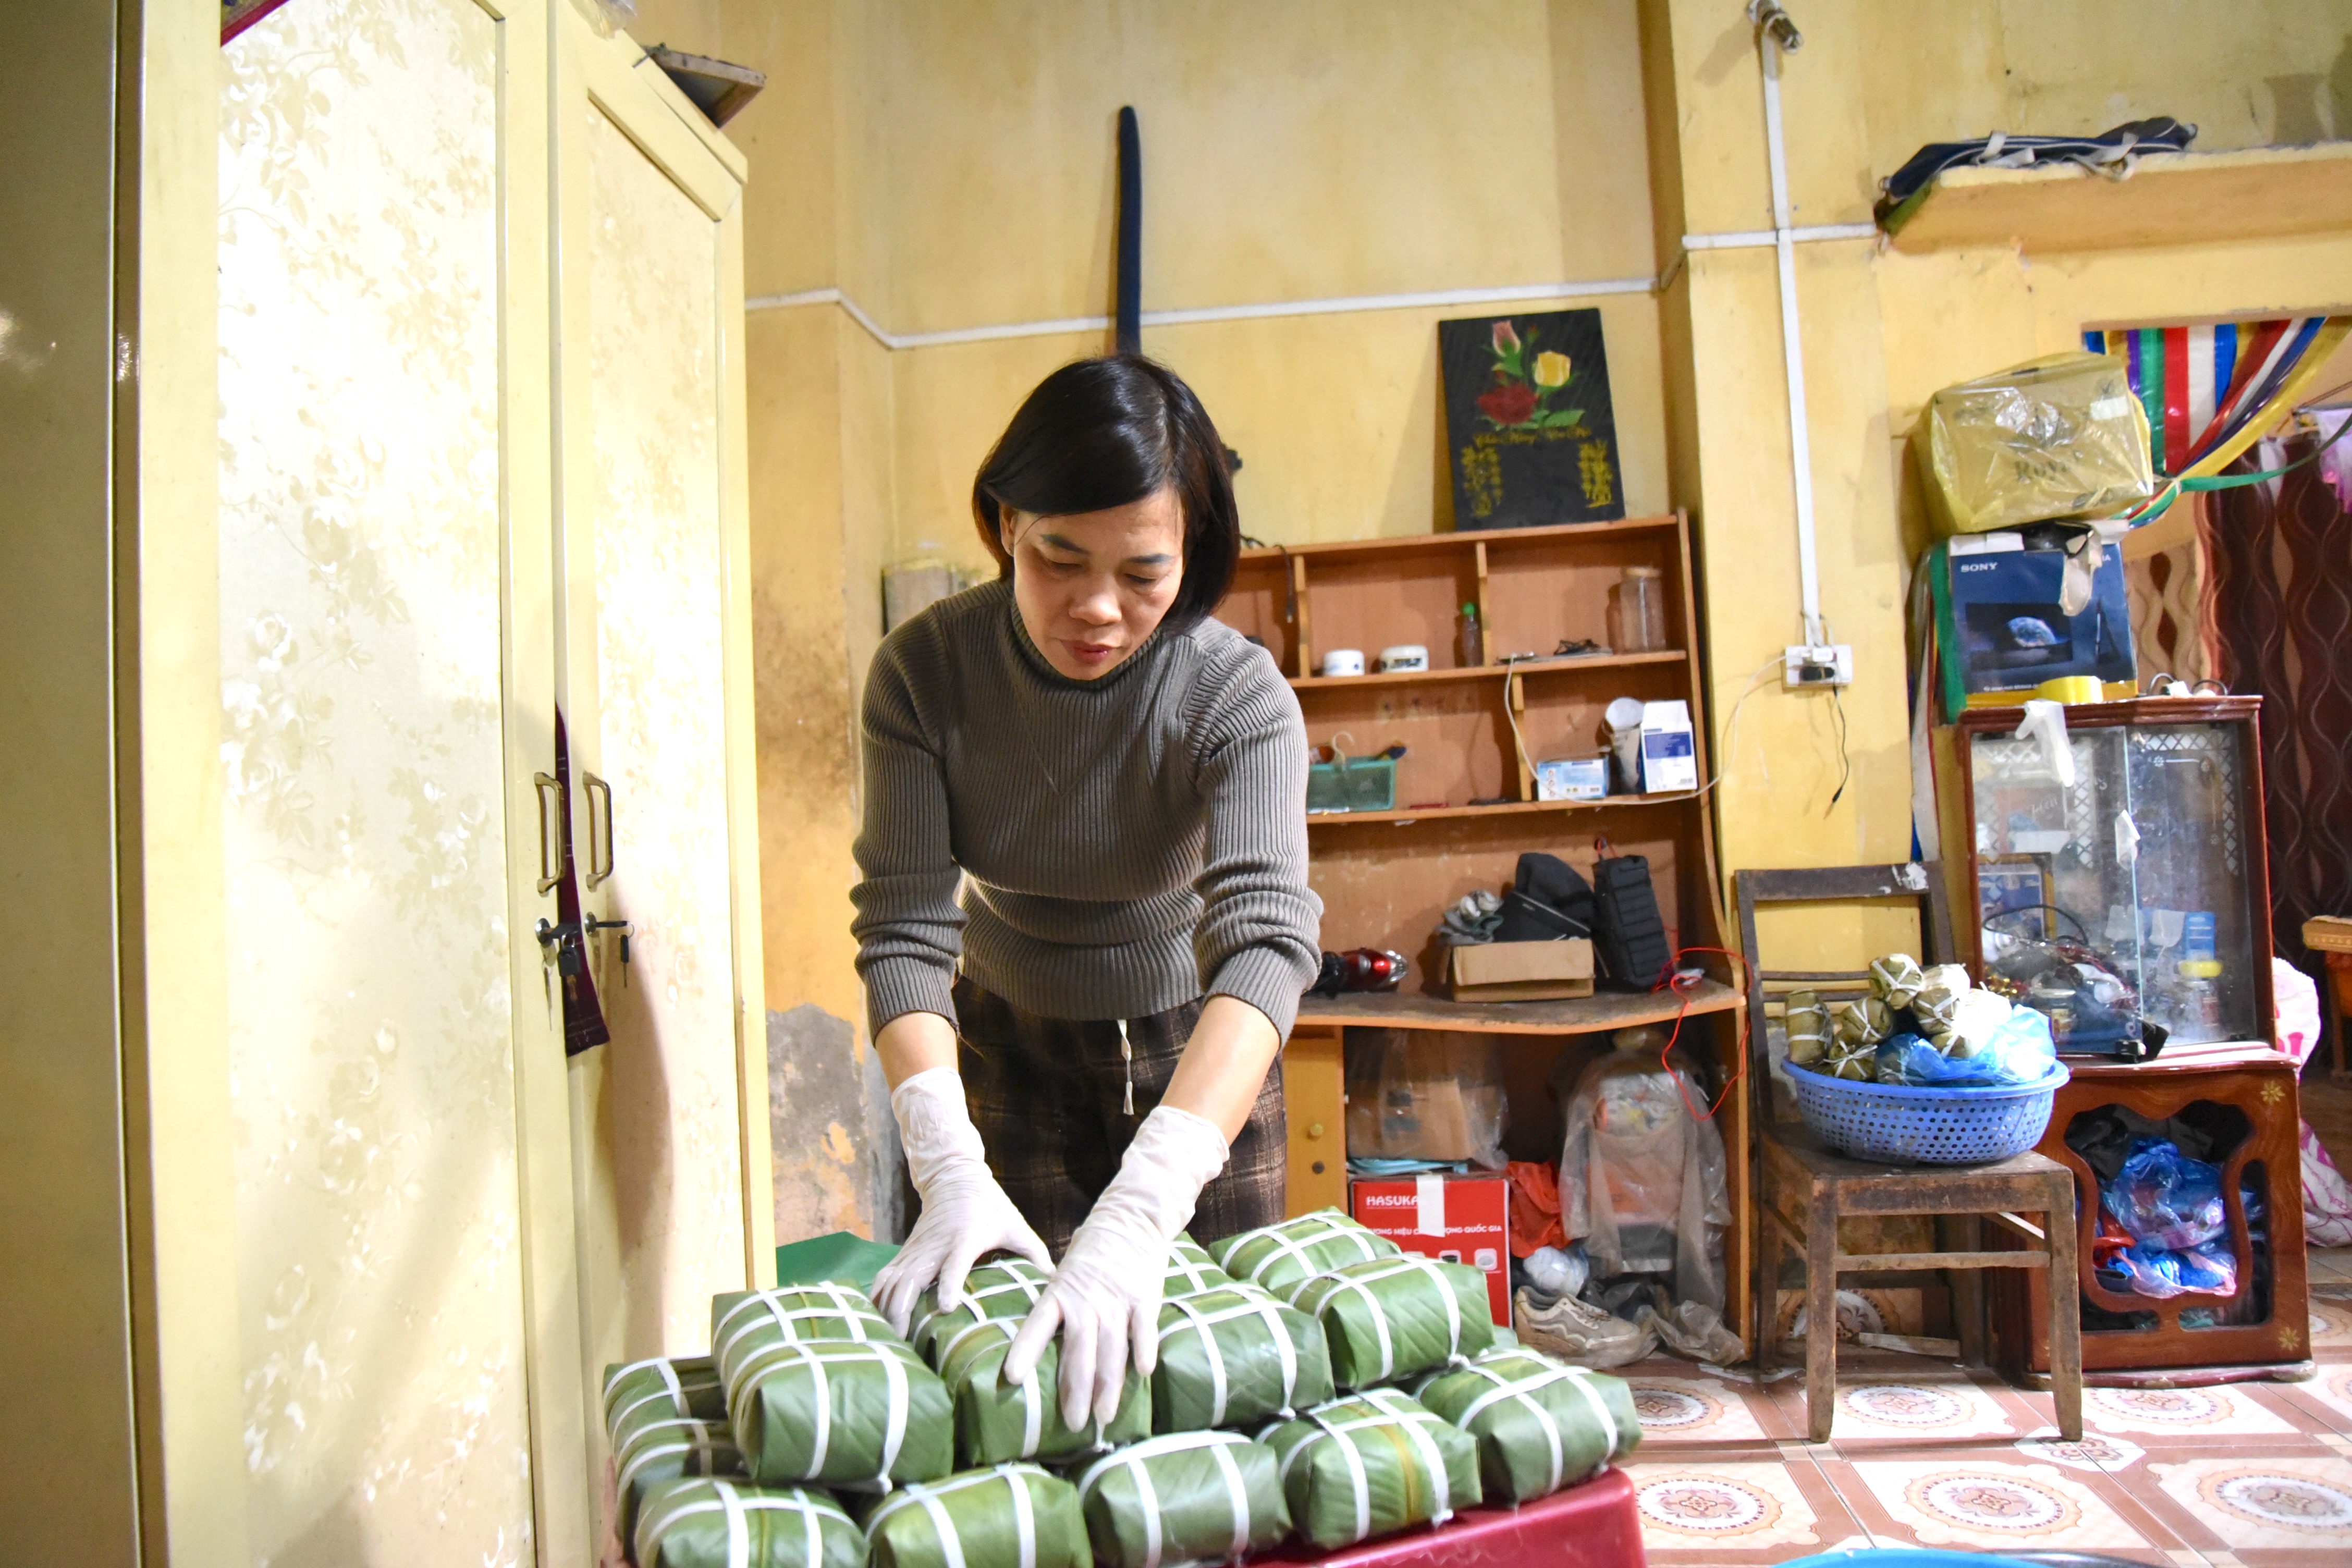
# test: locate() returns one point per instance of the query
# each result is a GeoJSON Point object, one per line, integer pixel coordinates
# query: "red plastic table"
{"type": "Point", "coordinates": [1590, 1526]}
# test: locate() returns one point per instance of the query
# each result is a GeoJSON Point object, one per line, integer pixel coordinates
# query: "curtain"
{"type": "Point", "coordinates": [2280, 601]}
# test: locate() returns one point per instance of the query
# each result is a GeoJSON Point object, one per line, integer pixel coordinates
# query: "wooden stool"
{"type": "Point", "coordinates": [1804, 1189]}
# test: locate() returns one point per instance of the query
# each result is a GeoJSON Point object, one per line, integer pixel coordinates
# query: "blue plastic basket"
{"type": "Point", "coordinates": [1923, 1126]}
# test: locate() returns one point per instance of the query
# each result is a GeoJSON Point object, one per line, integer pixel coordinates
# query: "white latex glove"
{"type": "Point", "coordinates": [1105, 1298]}
{"type": "Point", "coordinates": [965, 1212]}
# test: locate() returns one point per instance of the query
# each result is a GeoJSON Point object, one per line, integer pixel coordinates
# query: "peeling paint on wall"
{"type": "Point", "coordinates": [829, 1126]}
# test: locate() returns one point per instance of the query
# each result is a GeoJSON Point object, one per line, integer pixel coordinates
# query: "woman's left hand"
{"type": "Point", "coordinates": [1105, 1297]}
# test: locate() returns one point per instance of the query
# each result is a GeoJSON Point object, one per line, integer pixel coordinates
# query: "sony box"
{"type": "Point", "coordinates": [2011, 631]}
{"type": "Point", "coordinates": [1457, 1219]}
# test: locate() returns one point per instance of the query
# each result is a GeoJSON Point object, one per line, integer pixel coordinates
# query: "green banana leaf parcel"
{"type": "Point", "coordinates": [726, 1524]}
{"type": "Point", "coordinates": [663, 1389]}
{"type": "Point", "coordinates": [1540, 1424]}
{"type": "Point", "coordinates": [1370, 1465]}
{"type": "Point", "coordinates": [1006, 1289]}
{"type": "Point", "coordinates": [1393, 1317]}
{"type": "Point", "coordinates": [659, 1451]}
{"type": "Point", "coordinates": [1235, 1358]}
{"type": "Point", "coordinates": [1192, 1272]}
{"type": "Point", "coordinates": [1008, 1516]}
{"type": "Point", "coordinates": [1282, 1256]}
{"type": "Point", "coordinates": [861, 1415]}
{"type": "Point", "coordinates": [1188, 1497]}
{"type": "Point", "coordinates": [996, 1421]}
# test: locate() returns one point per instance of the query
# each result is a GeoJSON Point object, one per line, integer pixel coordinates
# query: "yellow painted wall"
{"type": "Point", "coordinates": [948, 165]}
{"type": "Point", "coordinates": [1883, 331]}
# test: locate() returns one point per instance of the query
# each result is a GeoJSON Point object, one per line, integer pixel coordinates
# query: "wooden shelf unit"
{"type": "Point", "coordinates": [1385, 877]}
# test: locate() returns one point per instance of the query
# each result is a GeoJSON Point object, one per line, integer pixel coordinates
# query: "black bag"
{"type": "Point", "coordinates": [2107, 152]}
{"type": "Point", "coordinates": [1629, 939]}
{"type": "Point", "coordinates": [1550, 900]}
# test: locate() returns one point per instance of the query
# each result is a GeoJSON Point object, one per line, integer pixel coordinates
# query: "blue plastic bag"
{"type": "Point", "coordinates": [2163, 1199]}
{"type": "Point", "coordinates": [2160, 1272]}
{"type": "Point", "coordinates": [2020, 1051]}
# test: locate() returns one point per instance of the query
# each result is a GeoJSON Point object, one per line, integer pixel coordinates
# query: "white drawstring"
{"type": "Point", "coordinates": [1127, 1055]}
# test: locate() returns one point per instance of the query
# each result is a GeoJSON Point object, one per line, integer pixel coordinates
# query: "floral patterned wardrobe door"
{"type": "Point", "coordinates": [381, 1294]}
{"type": "Point", "coordinates": [667, 1125]}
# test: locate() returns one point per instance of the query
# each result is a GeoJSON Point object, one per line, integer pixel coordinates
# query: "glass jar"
{"type": "Point", "coordinates": [1637, 612]}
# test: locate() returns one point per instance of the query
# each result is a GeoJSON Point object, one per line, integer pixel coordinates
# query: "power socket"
{"type": "Point", "coordinates": [1803, 667]}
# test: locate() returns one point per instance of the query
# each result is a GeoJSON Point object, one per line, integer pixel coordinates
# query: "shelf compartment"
{"type": "Point", "coordinates": [1603, 1011]}
{"type": "Point", "coordinates": [1494, 672]}
{"type": "Point", "coordinates": [1388, 889]}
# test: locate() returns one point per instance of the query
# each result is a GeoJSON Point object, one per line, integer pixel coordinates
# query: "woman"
{"type": "Point", "coordinates": [1119, 784]}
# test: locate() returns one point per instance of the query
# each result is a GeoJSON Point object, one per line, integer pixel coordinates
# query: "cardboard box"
{"type": "Point", "coordinates": [2013, 634]}
{"type": "Point", "coordinates": [1573, 778]}
{"type": "Point", "coordinates": [1669, 759]}
{"type": "Point", "coordinates": [1521, 971]}
{"type": "Point", "coordinates": [1460, 1219]}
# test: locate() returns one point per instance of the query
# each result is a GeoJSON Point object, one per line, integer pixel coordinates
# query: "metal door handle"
{"type": "Point", "coordinates": [598, 872]}
{"type": "Point", "coordinates": [550, 830]}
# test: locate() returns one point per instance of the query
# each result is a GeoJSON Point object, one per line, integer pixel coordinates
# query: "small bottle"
{"type": "Point", "coordinates": [1469, 646]}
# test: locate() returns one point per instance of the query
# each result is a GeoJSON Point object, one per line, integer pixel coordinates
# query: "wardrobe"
{"type": "Point", "coordinates": [481, 446]}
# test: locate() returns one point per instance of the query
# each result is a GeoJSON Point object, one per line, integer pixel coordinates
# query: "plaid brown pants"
{"type": "Point", "coordinates": [1047, 1097]}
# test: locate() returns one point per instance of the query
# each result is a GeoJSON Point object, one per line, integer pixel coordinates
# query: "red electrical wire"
{"type": "Point", "coordinates": [1681, 985]}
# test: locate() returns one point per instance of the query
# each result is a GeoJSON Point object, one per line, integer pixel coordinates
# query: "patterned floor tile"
{"type": "Point", "coordinates": [1910, 1412]}
{"type": "Point", "coordinates": [2096, 1454]}
{"type": "Point", "coordinates": [2329, 1394]}
{"type": "Point", "coordinates": [2331, 1322]}
{"type": "Point", "coordinates": [1694, 1410]}
{"type": "Point", "coordinates": [2252, 1503]}
{"type": "Point", "coordinates": [1736, 1507]}
{"type": "Point", "coordinates": [1988, 1503]}
{"type": "Point", "coordinates": [2198, 1412]}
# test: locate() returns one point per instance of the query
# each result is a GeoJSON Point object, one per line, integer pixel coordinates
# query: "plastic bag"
{"type": "Point", "coordinates": [2018, 1051]}
{"type": "Point", "coordinates": [1415, 1094]}
{"type": "Point", "coordinates": [2055, 437]}
{"type": "Point", "coordinates": [2161, 1272]}
{"type": "Point", "coordinates": [2163, 1198]}
{"type": "Point", "coordinates": [1642, 1182]}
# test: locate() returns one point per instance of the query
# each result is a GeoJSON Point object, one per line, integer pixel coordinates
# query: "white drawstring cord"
{"type": "Point", "coordinates": [1127, 1055]}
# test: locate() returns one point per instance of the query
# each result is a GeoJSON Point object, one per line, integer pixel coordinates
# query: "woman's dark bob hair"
{"type": "Point", "coordinates": [1101, 433]}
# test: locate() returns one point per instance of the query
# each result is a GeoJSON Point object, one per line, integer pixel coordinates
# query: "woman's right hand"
{"type": "Point", "coordinates": [965, 1212]}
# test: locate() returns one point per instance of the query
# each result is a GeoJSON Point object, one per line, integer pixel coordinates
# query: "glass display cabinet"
{"type": "Point", "coordinates": [2118, 883]}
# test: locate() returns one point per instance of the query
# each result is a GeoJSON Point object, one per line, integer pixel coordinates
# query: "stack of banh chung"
{"type": "Point", "coordinates": [1312, 1380]}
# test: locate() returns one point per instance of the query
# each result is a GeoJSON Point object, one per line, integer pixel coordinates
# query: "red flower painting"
{"type": "Point", "coordinates": [1512, 402]}
{"type": "Point", "coordinates": [1521, 395]}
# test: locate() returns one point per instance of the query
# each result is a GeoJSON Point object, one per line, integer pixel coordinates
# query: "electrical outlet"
{"type": "Point", "coordinates": [1803, 667]}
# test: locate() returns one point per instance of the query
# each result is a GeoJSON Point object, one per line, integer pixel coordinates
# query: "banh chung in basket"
{"type": "Point", "coordinates": [1923, 1068]}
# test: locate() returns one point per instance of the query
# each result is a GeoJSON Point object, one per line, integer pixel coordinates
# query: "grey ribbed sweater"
{"type": "Point", "coordinates": [1126, 844]}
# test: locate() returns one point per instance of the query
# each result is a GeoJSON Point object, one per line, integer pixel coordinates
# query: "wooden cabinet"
{"type": "Point", "coordinates": [2150, 856]}
{"type": "Point", "coordinates": [2258, 1331]}
{"type": "Point", "coordinates": [480, 408]}
{"type": "Point", "coordinates": [1466, 803]}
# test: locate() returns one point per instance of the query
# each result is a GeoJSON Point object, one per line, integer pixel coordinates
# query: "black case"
{"type": "Point", "coordinates": [1628, 938]}
{"type": "Point", "coordinates": [1550, 899]}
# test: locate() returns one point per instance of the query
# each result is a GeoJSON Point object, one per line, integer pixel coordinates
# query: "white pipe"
{"type": "Point", "coordinates": [1735, 239]}
{"type": "Point", "coordinates": [1792, 352]}
{"type": "Point", "coordinates": [1439, 298]}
